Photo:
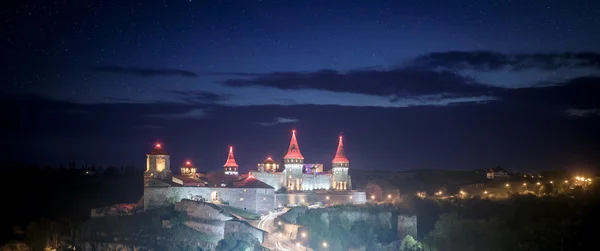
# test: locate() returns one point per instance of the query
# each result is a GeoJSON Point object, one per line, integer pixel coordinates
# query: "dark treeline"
{"type": "Point", "coordinates": [40, 196]}
{"type": "Point", "coordinates": [520, 223]}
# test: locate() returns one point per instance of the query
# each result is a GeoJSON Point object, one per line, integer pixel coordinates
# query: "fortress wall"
{"type": "Point", "coordinates": [265, 200]}
{"type": "Point", "coordinates": [155, 197]}
{"type": "Point", "coordinates": [314, 182]}
{"type": "Point", "coordinates": [335, 198]}
{"type": "Point", "coordinates": [238, 197]}
{"type": "Point", "coordinates": [257, 200]}
{"type": "Point", "coordinates": [272, 179]}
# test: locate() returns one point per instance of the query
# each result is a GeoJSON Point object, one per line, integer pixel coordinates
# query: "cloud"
{"type": "Point", "coordinates": [581, 113]}
{"type": "Point", "coordinates": [145, 72]}
{"type": "Point", "coordinates": [491, 61]}
{"type": "Point", "coordinates": [279, 120]}
{"type": "Point", "coordinates": [196, 113]}
{"type": "Point", "coordinates": [439, 79]}
{"type": "Point", "coordinates": [201, 97]}
{"type": "Point", "coordinates": [393, 82]}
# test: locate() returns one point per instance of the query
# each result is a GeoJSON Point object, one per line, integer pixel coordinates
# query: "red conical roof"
{"type": "Point", "coordinates": [157, 150]}
{"type": "Point", "coordinates": [294, 150]}
{"type": "Point", "coordinates": [230, 159]}
{"type": "Point", "coordinates": [340, 154]}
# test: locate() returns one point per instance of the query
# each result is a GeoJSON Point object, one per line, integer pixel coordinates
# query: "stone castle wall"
{"type": "Point", "coordinates": [309, 181]}
{"type": "Point", "coordinates": [258, 200]}
{"type": "Point", "coordinates": [272, 179]}
{"type": "Point", "coordinates": [314, 182]}
{"type": "Point", "coordinates": [350, 197]}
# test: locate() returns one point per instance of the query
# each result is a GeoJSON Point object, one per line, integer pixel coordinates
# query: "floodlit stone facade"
{"type": "Point", "coordinates": [299, 183]}
{"type": "Point", "coordinates": [258, 200]}
{"type": "Point", "coordinates": [298, 176]}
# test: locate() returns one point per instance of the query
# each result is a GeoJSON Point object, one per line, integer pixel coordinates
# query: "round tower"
{"type": "Point", "coordinates": [158, 165]}
{"type": "Point", "coordinates": [188, 169]}
{"type": "Point", "coordinates": [293, 163]}
{"type": "Point", "coordinates": [268, 165]}
{"type": "Point", "coordinates": [340, 165]}
{"type": "Point", "coordinates": [230, 167]}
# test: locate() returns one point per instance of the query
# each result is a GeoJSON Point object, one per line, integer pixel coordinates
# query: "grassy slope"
{"type": "Point", "coordinates": [242, 213]}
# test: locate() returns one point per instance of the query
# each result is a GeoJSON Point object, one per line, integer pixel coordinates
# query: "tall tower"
{"type": "Point", "coordinates": [158, 165]}
{"type": "Point", "coordinates": [230, 167]}
{"type": "Point", "coordinates": [293, 163]}
{"type": "Point", "coordinates": [340, 165]}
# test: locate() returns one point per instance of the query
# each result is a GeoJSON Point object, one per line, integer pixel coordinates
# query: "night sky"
{"type": "Point", "coordinates": [410, 84]}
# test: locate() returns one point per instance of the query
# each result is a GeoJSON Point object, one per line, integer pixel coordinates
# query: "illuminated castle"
{"type": "Point", "coordinates": [298, 176]}
{"type": "Point", "coordinates": [254, 191]}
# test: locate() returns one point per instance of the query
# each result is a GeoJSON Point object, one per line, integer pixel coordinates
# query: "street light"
{"type": "Point", "coordinates": [324, 244]}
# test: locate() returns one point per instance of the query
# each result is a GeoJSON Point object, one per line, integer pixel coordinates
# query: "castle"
{"type": "Point", "coordinates": [297, 184]}
{"type": "Point", "coordinates": [298, 176]}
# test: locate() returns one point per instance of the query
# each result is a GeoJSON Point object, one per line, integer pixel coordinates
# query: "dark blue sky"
{"type": "Point", "coordinates": [412, 84]}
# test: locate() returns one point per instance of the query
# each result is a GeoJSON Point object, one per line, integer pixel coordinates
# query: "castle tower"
{"type": "Point", "coordinates": [158, 165]}
{"type": "Point", "coordinates": [188, 169]}
{"type": "Point", "coordinates": [230, 167]}
{"type": "Point", "coordinates": [340, 165]}
{"type": "Point", "coordinates": [293, 163]}
{"type": "Point", "coordinates": [268, 165]}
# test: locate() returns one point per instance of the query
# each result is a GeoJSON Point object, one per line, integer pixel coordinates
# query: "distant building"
{"type": "Point", "coordinates": [497, 173]}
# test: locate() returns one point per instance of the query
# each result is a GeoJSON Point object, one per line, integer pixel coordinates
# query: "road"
{"type": "Point", "coordinates": [282, 243]}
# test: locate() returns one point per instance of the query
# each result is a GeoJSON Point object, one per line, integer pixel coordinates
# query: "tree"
{"type": "Point", "coordinates": [238, 241]}
{"type": "Point", "coordinates": [410, 244]}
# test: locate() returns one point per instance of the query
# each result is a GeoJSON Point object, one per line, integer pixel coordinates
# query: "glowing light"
{"type": "Point", "coordinates": [462, 192]}
{"type": "Point", "coordinates": [551, 182]}
{"type": "Point", "coordinates": [327, 198]}
{"type": "Point", "coordinates": [507, 185]}
{"type": "Point", "coordinates": [566, 181]}
{"type": "Point", "coordinates": [524, 184]}
{"type": "Point", "coordinates": [297, 244]}
{"type": "Point", "coordinates": [157, 146]}
{"type": "Point", "coordinates": [303, 235]}
{"type": "Point", "coordinates": [389, 196]}
{"type": "Point", "coordinates": [372, 197]}
{"type": "Point", "coordinates": [241, 199]}
{"type": "Point", "coordinates": [188, 163]}
{"type": "Point", "coordinates": [279, 223]}
{"type": "Point", "coordinates": [325, 244]}
{"type": "Point", "coordinates": [485, 192]}
{"type": "Point", "coordinates": [538, 183]}
{"type": "Point", "coordinates": [350, 197]}
{"type": "Point", "coordinates": [269, 158]}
